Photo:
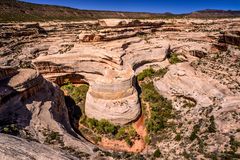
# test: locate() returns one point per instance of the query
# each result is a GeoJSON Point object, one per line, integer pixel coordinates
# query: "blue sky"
{"type": "Point", "coordinates": [158, 6]}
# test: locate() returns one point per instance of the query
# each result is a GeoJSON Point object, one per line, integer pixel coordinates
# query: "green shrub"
{"type": "Point", "coordinates": [91, 123]}
{"type": "Point", "coordinates": [161, 72]}
{"type": "Point", "coordinates": [103, 126]}
{"type": "Point", "coordinates": [52, 137]}
{"type": "Point", "coordinates": [121, 134]}
{"type": "Point", "coordinates": [174, 59]}
{"type": "Point", "coordinates": [128, 141]}
{"type": "Point", "coordinates": [10, 129]}
{"type": "Point", "coordinates": [132, 132]}
{"type": "Point", "coordinates": [147, 139]}
{"type": "Point", "coordinates": [78, 94]}
{"type": "Point", "coordinates": [161, 108]}
{"type": "Point", "coordinates": [178, 137]}
{"type": "Point", "coordinates": [157, 153]}
{"type": "Point", "coordinates": [150, 72]}
{"type": "Point", "coordinates": [126, 133]}
{"type": "Point", "coordinates": [234, 144]}
{"type": "Point", "coordinates": [212, 126]}
{"type": "Point", "coordinates": [146, 73]}
{"type": "Point", "coordinates": [196, 129]}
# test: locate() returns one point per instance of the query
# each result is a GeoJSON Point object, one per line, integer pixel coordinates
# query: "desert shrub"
{"type": "Point", "coordinates": [150, 72]}
{"type": "Point", "coordinates": [161, 72]}
{"type": "Point", "coordinates": [91, 123]}
{"type": "Point", "coordinates": [234, 144]}
{"type": "Point", "coordinates": [10, 129]}
{"type": "Point", "coordinates": [52, 137]}
{"type": "Point", "coordinates": [128, 141]}
{"type": "Point", "coordinates": [186, 154]}
{"type": "Point", "coordinates": [188, 104]}
{"type": "Point", "coordinates": [121, 133]}
{"type": "Point", "coordinates": [161, 108]}
{"type": "Point", "coordinates": [75, 152]}
{"type": "Point", "coordinates": [145, 73]}
{"type": "Point", "coordinates": [157, 153]}
{"type": "Point", "coordinates": [178, 137]}
{"type": "Point", "coordinates": [212, 126]}
{"type": "Point", "coordinates": [174, 59]}
{"type": "Point", "coordinates": [132, 133]}
{"type": "Point", "coordinates": [230, 155]}
{"type": "Point", "coordinates": [103, 126]}
{"type": "Point", "coordinates": [196, 129]}
{"type": "Point", "coordinates": [147, 139]}
{"type": "Point", "coordinates": [78, 94]}
{"type": "Point", "coordinates": [126, 133]}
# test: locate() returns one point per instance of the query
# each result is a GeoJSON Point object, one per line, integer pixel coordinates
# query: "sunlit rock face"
{"type": "Point", "coordinates": [37, 106]}
{"type": "Point", "coordinates": [107, 55]}
{"type": "Point", "coordinates": [109, 68]}
{"type": "Point", "coordinates": [114, 98]}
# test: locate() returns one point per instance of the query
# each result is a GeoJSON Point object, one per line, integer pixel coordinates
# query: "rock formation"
{"type": "Point", "coordinates": [18, 148]}
{"type": "Point", "coordinates": [38, 109]}
{"type": "Point", "coordinates": [204, 85]}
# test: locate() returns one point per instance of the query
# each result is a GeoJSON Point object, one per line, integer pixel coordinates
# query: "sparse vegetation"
{"type": "Point", "coordinates": [101, 127]}
{"type": "Point", "coordinates": [147, 139]}
{"type": "Point", "coordinates": [196, 129]}
{"type": "Point", "coordinates": [77, 93]}
{"type": "Point", "coordinates": [178, 137]}
{"type": "Point", "coordinates": [150, 73]}
{"type": "Point", "coordinates": [52, 137]}
{"type": "Point", "coordinates": [161, 108]}
{"type": "Point", "coordinates": [157, 153]}
{"type": "Point", "coordinates": [146, 73]}
{"type": "Point", "coordinates": [234, 144]}
{"type": "Point", "coordinates": [104, 127]}
{"type": "Point", "coordinates": [10, 129]}
{"type": "Point", "coordinates": [212, 126]}
{"type": "Point", "coordinates": [75, 152]}
{"type": "Point", "coordinates": [174, 59]}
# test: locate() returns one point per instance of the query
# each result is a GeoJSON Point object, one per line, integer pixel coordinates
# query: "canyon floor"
{"type": "Point", "coordinates": [170, 86]}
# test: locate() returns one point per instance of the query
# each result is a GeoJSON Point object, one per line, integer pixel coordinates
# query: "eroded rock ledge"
{"type": "Point", "coordinates": [38, 108]}
{"type": "Point", "coordinates": [112, 94]}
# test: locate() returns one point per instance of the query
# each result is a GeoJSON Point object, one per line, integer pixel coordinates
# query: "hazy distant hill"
{"type": "Point", "coordinates": [214, 14]}
{"type": "Point", "coordinates": [12, 10]}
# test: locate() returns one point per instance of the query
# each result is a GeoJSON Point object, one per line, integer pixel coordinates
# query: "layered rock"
{"type": "Point", "coordinates": [181, 80]}
{"type": "Point", "coordinates": [17, 148]}
{"type": "Point", "coordinates": [109, 70]}
{"type": "Point", "coordinates": [111, 95]}
{"type": "Point", "coordinates": [114, 99]}
{"type": "Point", "coordinates": [106, 54]}
{"type": "Point", "coordinates": [37, 107]}
{"type": "Point", "coordinates": [230, 37]}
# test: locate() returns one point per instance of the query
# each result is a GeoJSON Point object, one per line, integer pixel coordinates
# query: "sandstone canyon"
{"type": "Point", "coordinates": [160, 89]}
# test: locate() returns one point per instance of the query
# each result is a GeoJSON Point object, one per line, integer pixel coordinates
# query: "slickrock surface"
{"type": "Point", "coordinates": [107, 55]}
{"type": "Point", "coordinates": [184, 86]}
{"type": "Point", "coordinates": [17, 148]}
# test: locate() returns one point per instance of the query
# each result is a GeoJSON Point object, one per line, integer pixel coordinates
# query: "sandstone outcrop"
{"type": "Point", "coordinates": [230, 37]}
{"type": "Point", "coordinates": [181, 80]}
{"type": "Point", "coordinates": [38, 109]}
{"type": "Point", "coordinates": [18, 148]}
{"type": "Point", "coordinates": [202, 79]}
